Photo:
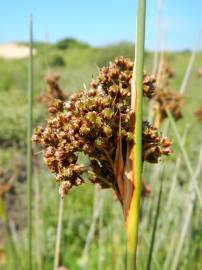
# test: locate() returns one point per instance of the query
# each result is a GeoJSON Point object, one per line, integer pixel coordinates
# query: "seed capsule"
{"type": "Point", "coordinates": [107, 113]}
{"type": "Point", "coordinates": [91, 116]}
{"type": "Point", "coordinates": [108, 131]}
{"type": "Point", "coordinates": [84, 130]}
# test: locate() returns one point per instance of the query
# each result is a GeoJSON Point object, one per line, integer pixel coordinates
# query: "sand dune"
{"type": "Point", "coordinates": [14, 51]}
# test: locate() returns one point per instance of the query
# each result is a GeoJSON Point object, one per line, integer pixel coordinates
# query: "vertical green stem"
{"type": "Point", "coordinates": [37, 218]}
{"type": "Point", "coordinates": [100, 240]}
{"type": "Point", "coordinates": [187, 215]}
{"type": "Point", "coordinates": [4, 217]}
{"type": "Point", "coordinates": [158, 38]}
{"type": "Point", "coordinates": [136, 107]}
{"type": "Point", "coordinates": [185, 155]}
{"type": "Point", "coordinates": [190, 65]}
{"type": "Point", "coordinates": [149, 262]}
{"type": "Point", "coordinates": [59, 234]}
{"type": "Point", "coordinates": [29, 148]}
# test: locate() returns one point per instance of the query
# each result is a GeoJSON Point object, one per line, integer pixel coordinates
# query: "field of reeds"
{"type": "Point", "coordinates": [86, 229]}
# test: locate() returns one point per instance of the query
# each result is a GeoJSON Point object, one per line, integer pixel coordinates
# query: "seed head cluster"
{"type": "Point", "coordinates": [165, 98]}
{"type": "Point", "coordinates": [198, 114]}
{"type": "Point", "coordinates": [52, 92]}
{"type": "Point", "coordinates": [165, 74]}
{"type": "Point", "coordinates": [168, 100]}
{"type": "Point", "coordinates": [91, 122]}
{"type": "Point", "coordinates": [200, 72]}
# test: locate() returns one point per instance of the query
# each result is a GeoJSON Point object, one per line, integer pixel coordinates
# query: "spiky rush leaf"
{"type": "Point", "coordinates": [136, 102]}
{"type": "Point", "coordinates": [29, 148]}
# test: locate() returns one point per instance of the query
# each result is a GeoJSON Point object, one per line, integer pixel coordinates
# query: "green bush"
{"type": "Point", "coordinates": [70, 43]}
{"type": "Point", "coordinates": [57, 61]}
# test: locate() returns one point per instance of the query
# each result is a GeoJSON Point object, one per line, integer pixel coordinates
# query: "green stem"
{"type": "Point", "coordinates": [185, 156]}
{"type": "Point", "coordinates": [59, 234]}
{"type": "Point", "coordinates": [37, 219]}
{"type": "Point", "coordinates": [190, 65]}
{"type": "Point", "coordinates": [149, 262]}
{"type": "Point", "coordinates": [187, 215]}
{"type": "Point", "coordinates": [29, 148]}
{"type": "Point", "coordinates": [4, 217]}
{"type": "Point", "coordinates": [136, 107]}
{"type": "Point", "coordinates": [158, 38]}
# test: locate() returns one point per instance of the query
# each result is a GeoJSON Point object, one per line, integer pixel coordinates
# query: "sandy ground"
{"type": "Point", "coordinates": [14, 51]}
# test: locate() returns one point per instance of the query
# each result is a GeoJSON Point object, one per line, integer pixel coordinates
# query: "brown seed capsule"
{"type": "Point", "coordinates": [130, 136]}
{"type": "Point", "coordinates": [84, 130]}
{"type": "Point", "coordinates": [198, 114]}
{"type": "Point", "coordinates": [64, 188]}
{"type": "Point", "coordinates": [92, 93]}
{"type": "Point", "coordinates": [106, 101]}
{"type": "Point", "coordinates": [98, 122]}
{"type": "Point", "coordinates": [149, 86]}
{"type": "Point", "coordinates": [52, 110]}
{"type": "Point", "coordinates": [49, 152]}
{"type": "Point", "coordinates": [36, 139]}
{"type": "Point", "coordinates": [91, 116]}
{"type": "Point", "coordinates": [168, 100]}
{"type": "Point", "coordinates": [53, 91]}
{"type": "Point", "coordinates": [99, 142]}
{"type": "Point", "coordinates": [108, 131]}
{"type": "Point", "coordinates": [107, 113]}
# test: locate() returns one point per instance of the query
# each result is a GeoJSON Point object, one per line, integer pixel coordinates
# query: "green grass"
{"type": "Point", "coordinates": [80, 65]}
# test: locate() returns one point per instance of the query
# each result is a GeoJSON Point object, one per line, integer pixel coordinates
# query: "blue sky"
{"type": "Point", "coordinates": [100, 22]}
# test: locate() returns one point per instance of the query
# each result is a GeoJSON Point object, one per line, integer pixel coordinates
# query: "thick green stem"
{"type": "Point", "coordinates": [136, 108]}
{"type": "Point", "coordinates": [29, 150]}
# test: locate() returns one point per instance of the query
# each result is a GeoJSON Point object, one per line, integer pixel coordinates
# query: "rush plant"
{"type": "Point", "coordinates": [98, 122]}
{"type": "Point", "coordinates": [105, 123]}
{"type": "Point", "coordinates": [29, 147]}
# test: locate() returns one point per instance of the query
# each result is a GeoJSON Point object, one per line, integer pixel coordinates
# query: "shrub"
{"type": "Point", "coordinates": [70, 43]}
{"type": "Point", "coordinates": [57, 60]}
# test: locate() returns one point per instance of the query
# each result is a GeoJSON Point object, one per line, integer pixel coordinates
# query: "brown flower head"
{"type": "Point", "coordinates": [198, 114]}
{"type": "Point", "coordinates": [92, 122]}
{"type": "Point", "coordinates": [52, 92]}
{"type": "Point", "coordinates": [200, 72]}
{"type": "Point", "coordinates": [164, 97]}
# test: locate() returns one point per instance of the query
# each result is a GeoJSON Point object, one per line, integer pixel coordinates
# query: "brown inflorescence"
{"type": "Point", "coordinates": [91, 122]}
{"type": "Point", "coordinates": [165, 74]}
{"type": "Point", "coordinates": [5, 187]}
{"type": "Point", "coordinates": [168, 100]}
{"type": "Point", "coordinates": [165, 99]}
{"type": "Point", "coordinates": [198, 114]}
{"type": "Point", "coordinates": [200, 72]}
{"type": "Point", "coordinates": [52, 92]}
{"type": "Point", "coordinates": [118, 75]}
